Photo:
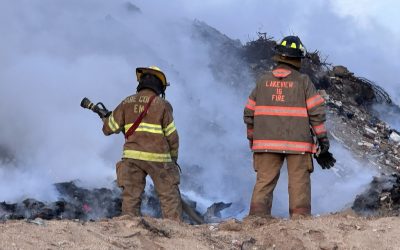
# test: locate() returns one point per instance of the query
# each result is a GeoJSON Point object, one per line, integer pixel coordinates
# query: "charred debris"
{"type": "Point", "coordinates": [82, 204]}
{"type": "Point", "coordinates": [382, 198]}
{"type": "Point", "coordinates": [73, 203]}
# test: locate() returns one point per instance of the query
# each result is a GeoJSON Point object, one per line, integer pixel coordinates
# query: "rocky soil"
{"type": "Point", "coordinates": [339, 231]}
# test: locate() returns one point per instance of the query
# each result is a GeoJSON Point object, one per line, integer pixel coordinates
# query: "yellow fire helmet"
{"type": "Point", "coordinates": [153, 70]}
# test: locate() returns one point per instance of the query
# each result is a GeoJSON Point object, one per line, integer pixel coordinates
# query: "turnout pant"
{"type": "Point", "coordinates": [131, 177]}
{"type": "Point", "coordinates": [268, 166]}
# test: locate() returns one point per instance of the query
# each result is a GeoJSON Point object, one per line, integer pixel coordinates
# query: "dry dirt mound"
{"type": "Point", "coordinates": [327, 232]}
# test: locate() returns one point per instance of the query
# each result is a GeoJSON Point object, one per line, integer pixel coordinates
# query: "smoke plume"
{"type": "Point", "coordinates": [53, 54]}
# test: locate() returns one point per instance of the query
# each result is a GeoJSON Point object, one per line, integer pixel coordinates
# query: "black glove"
{"type": "Point", "coordinates": [323, 145]}
{"type": "Point", "coordinates": [325, 160]}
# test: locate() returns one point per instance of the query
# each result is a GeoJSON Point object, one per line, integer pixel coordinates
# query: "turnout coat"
{"type": "Point", "coordinates": [281, 111]}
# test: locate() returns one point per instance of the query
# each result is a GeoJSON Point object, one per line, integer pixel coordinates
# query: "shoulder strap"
{"type": "Point", "coordinates": [138, 120]}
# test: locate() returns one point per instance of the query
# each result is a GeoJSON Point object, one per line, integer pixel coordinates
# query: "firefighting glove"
{"type": "Point", "coordinates": [325, 160]}
{"type": "Point", "coordinates": [323, 145]}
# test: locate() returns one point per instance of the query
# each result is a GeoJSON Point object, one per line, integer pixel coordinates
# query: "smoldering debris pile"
{"type": "Point", "coordinates": [83, 204]}
{"type": "Point", "coordinates": [382, 198]}
{"type": "Point", "coordinates": [73, 203]}
{"type": "Point", "coordinates": [356, 125]}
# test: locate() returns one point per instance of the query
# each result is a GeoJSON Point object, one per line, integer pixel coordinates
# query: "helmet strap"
{"type": "Point", "coordinates": [148, 81]}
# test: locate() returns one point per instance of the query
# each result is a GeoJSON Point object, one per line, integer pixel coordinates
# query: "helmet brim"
{"type": "Point", "coordinates": [289, 52]}
{"type": "Point", "coordinates": [294, 61]}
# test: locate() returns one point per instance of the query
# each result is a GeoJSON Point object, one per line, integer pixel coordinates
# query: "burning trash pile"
{"type": "Point", "coordinates": [83, 204]}
{"type": "Point", "coordinates": [74, 203]}
{"type": "Point", "coordinates": [382, 198]}
{"type": "Point", "coordinates": [355, 123]}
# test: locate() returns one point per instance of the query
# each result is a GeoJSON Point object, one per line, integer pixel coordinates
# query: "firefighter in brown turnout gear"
{"type": "Point", "coordinates": [151, 145]}
{"type": "Point", "coordinates": [279, 113]}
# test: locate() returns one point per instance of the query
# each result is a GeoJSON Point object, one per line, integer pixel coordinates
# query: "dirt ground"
{"type": "Point", "coordinates": [339, 231]}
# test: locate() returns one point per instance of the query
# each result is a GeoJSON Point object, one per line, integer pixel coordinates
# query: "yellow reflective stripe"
{"type": "Point", "coordinates": [169, 129]}
{"type": "Point", "coordinates": [146, 127]}
{"type": "Point", "coordinates": [112, 124]}
{"type": "Point", "coordinates": [293, 45]}
{"type": "Point", "coordinates": [283, 43]}
{"type": "Point", "coordinates": [146, 156]}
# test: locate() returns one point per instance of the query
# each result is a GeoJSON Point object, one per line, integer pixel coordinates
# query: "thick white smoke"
{"type": "Point", "coordinates": [54, 53]}
{"type": "Point", "coordinates": [390, 114]}
{"type": "Point", "coordinates": [363, 35]}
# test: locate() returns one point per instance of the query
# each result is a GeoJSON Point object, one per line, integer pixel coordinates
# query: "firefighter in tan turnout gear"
{"type": "Point", "coordinates": [151, 145]}
{"type": "Point", "coordinates": [279, 113]}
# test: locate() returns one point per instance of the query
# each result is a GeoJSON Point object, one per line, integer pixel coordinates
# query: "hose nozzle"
{"type": "Point", "coordinates": [98, 108]}
{"type": "Point", "coordinates": [87, 104]}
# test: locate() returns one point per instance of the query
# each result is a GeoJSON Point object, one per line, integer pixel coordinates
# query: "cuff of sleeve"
{"type": "Point", "coordinates": [250, 133]}
{"type": "Point", "coordinates": [174, 154]}
{"type": "Point", "coordinates": [320, 130]}
{"type": "Point", "coordinates": [322, 136]}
